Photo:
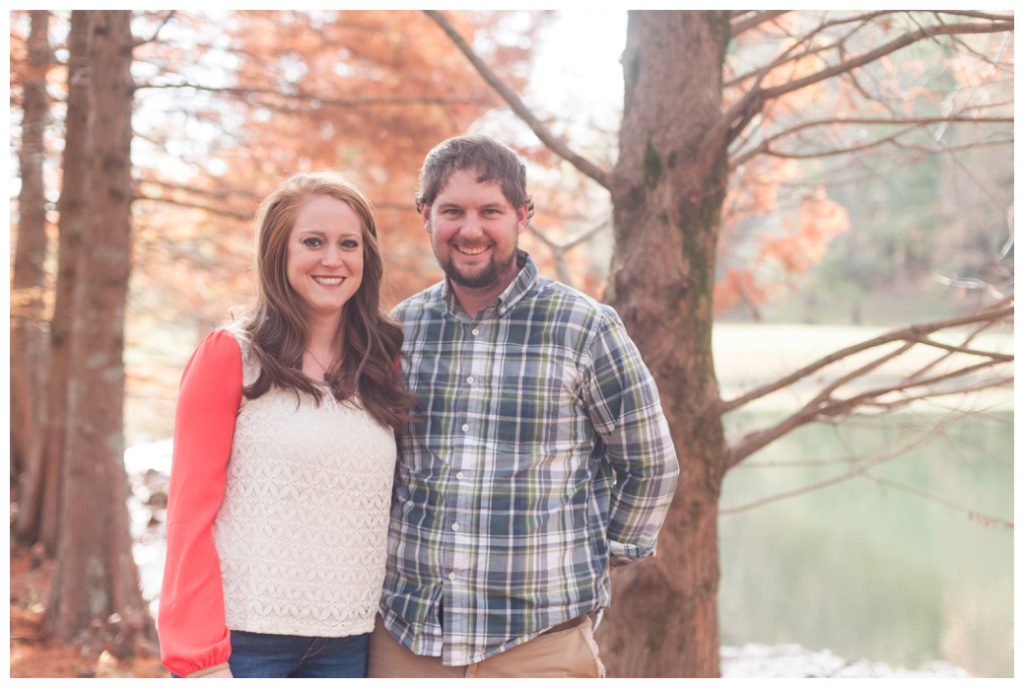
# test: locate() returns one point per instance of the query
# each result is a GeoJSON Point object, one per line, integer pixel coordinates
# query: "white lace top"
{"type": "Point", "coordinates": [302, 532]}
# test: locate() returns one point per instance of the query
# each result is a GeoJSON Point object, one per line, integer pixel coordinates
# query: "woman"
{"type": "Point", "coordinates": [284, 454]}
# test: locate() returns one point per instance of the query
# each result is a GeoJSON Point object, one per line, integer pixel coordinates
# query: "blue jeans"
{"type": "Point", "coordinates": [265, 655]}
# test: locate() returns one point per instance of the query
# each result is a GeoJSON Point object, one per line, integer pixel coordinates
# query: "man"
{"type": "Point", "coordinates": [538, 454]}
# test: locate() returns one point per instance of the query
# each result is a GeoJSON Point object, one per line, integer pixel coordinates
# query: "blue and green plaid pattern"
{"type": "Point", "coordinates": [538, 450]}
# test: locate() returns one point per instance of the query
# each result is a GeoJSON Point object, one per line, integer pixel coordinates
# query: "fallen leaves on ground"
{"type": "Point", "coordinates": [34, 655]}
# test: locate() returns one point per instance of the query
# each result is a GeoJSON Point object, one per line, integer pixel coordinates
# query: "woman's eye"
{"type": "Point", "coordinates": [311, 242]}
{"type": "Point", "coordinates": [350, 243]}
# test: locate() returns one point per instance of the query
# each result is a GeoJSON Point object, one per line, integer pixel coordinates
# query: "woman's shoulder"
{"type": "Point", "coordinates": [230, 345]}
{"type": "Point", "coordinates": [220, 345]}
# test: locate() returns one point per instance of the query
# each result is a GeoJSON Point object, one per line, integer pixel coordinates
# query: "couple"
{"type": "Point", "coordinates": [532, 451]}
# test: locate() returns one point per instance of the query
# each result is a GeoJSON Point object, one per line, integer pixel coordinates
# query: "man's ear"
{"type": "Point", "coordinates": [521, 217]}
{"type": "Point", "coordinates": [425, 216]}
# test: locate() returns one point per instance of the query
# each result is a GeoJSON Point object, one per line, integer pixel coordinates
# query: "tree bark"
{"type": "Point", "coordinates": [668, 188]}
{"type": "Point", "coordinates": [95, 595]}
{"type": "Point", "coordinates": [38, 514]}
{"type": "Point", "coordinates": [28, 335]}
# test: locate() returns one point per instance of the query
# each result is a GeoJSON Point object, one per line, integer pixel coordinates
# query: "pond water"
{"type": "Point", "coordinates": [908, 562]}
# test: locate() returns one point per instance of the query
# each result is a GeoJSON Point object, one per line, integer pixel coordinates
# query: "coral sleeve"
{"type": "Point", "coordinates": [193, 634]}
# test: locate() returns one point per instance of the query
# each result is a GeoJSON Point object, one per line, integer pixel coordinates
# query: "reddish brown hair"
{"type": "Point", "coordinates": [277, 328]}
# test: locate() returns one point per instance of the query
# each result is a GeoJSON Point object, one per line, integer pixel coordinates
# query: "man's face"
{"type": "Point", "coordinates": [474, 231]}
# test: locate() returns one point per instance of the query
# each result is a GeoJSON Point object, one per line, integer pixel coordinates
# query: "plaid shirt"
{"type": "Point", "coordinates": [538, 450]}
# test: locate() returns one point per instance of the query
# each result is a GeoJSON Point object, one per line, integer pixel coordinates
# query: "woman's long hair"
{"type": "Point", "coordinates": [277, 328]}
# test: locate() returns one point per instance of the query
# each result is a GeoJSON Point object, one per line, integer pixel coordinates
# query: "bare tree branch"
{"type": "Point", "coordinates": [790, 56]}
{"type": "Point", "coordinates": [755, 20]}
{"type": "Point", "coordinates": [904, 334]}
{"type": "Point", "coordinates": [741, 113]}
{"type": "Point", "coordinates": [220, 194]}
{"type": "Point", "coordinates": [862, 468]}
{"type": "Point", "coordinates": [216, 210]}
{"type": "Point", "coordinates": [305, 96]}
{"type": "Point", "coordinates": [933, 150]}
{"type": "Point", "coordinates": [556, 144]}
{"type": "Point", "coordinates": [971, 513]}
{"type": "Point", "coordinates": [923, 33]}
{"type": "Point", "coordinates": [929, 395]}
{"type": "Point", "coordinates": [857, 467]}
{"type": "Point", "coordinates": [841, 406]}
{"type": "Point", "coordinates": [816, 407]}
{"type": "Point", "coordinates": [978, 15]}
{"type": "Point", "coordinates": [967, 340]}
{"type": "Point", "coordinates": [894, 140]}
{"type": "Point", "coordinates": [156, 33]}
{"type": "Point", "coordinates": [765, 145]}
{"type": "Point", "coordinates": [964, 350]}
{"type": "Point", "coordinates": [558, 249]}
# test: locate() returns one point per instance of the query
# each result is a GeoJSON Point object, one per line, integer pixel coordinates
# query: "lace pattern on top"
{"type": "Point", "coordinates": [302, 531]}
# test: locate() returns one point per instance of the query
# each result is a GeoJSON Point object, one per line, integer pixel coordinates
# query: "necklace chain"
{"type": "Point", "coordinates": [317, 360]}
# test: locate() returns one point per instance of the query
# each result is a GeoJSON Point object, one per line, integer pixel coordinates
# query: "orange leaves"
{"type": "Point", "coordinates": [791, 252]}
{"type": "Point", "coordinates": [757, 188]}
{"type": "Point", "coordinates": [739, 285]}
{"type": "Point", "coordinates": [819, 219]}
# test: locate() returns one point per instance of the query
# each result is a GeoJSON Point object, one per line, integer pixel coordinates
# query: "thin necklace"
{"type": "Point", "coordinates": [322, 366]}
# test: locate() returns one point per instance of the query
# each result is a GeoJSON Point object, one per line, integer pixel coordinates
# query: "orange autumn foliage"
{"type": "Point", "coordinates": [819, 220]}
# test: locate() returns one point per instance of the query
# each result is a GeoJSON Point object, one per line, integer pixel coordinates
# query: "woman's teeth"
{"type": "Point", "coordinates": [329, 281]}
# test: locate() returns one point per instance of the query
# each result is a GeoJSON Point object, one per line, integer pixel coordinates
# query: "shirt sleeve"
{"type": "Point", "coordinates": [192, 630]}
{"type": "Point", "coordinates": [624, 407]}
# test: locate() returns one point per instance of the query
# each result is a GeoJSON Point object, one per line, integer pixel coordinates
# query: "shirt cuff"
{"type": "Point", "coordinates": [625, 550]}
{"type": "Point", "coordinates": [207, 670]}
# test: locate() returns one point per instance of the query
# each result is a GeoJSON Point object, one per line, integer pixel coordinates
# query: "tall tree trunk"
{"type": "Point", "coordinates": [96, 584]}
{"type": "Point", "coordinates": [38, 514]}
{"type": "Point", "coordinates": [667, 189]}
{"type": "Point", "coordinates": [28, 335]}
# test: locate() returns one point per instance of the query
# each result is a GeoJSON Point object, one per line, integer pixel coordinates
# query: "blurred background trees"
{"type": "Point", "coordinates": [848, 167]}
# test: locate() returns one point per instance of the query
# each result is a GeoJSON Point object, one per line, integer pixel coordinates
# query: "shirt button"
{"type": "Point", "coordinates": [455, 526]}
{"type": "Point", "coordinates": [469, 379]}
{"type": "Point", "coordinates": [460, 475]}
{"type": "Point", "coordinates": [465, 427]}
{"type": "Point", "coordinates": [475, 331]}
{"type": "Point", "coordinates": [451, 576]}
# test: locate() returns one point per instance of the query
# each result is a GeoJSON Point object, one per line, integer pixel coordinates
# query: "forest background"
{"type": "Point", "coordinates": [817, 181]}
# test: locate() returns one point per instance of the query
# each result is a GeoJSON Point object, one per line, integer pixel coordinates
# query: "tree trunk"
{"type": "Point", "coordinates": [95, 597]}
{"type": "Point", "coordinates": [28, 335]}
{"type": "Point", "coordinates": [38, 514]}
{"type": "Point", "coordinates": [667, 189]}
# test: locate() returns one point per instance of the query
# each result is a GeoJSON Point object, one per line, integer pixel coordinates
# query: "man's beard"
{"type": "Point", "coordinates": [488, 276]}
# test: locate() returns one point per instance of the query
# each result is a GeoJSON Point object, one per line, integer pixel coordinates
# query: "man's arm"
{"type": "Point", "coordinates": [625, 409]}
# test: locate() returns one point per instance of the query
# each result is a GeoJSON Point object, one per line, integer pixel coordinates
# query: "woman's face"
{"type": "Point", "coordinates": [325, 255]}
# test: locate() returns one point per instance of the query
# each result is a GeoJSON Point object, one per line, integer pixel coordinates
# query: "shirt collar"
{"type": "Point", "coordinates": [514, 292]}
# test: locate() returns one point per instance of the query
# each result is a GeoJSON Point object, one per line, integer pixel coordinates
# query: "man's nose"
{"type": "Point", "coordinates": [471, 226]}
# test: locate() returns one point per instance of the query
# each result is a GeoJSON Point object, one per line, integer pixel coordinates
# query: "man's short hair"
{"type": "Point", "coordinates": [490, 158]}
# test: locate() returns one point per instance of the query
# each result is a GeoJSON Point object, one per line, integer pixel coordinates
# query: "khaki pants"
{"type": "Point", "coordinates": [560, 653]}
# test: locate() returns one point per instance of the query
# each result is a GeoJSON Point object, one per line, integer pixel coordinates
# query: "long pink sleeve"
{"type": "Point", "coordinates": [193, 634]}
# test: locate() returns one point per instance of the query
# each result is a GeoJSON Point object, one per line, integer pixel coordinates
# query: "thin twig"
{"type": "Point", "coordinates": [156, 33]}
{"type": "Point", "coordinates": [557, 145]}
{"type": "Point", "coordinates": [913, 331]}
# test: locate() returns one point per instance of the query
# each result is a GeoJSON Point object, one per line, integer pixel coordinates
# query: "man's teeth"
{"type": "Point", "coordinates": [329, 281]}
{"type": "Point", "coordinates": [472, 251]}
